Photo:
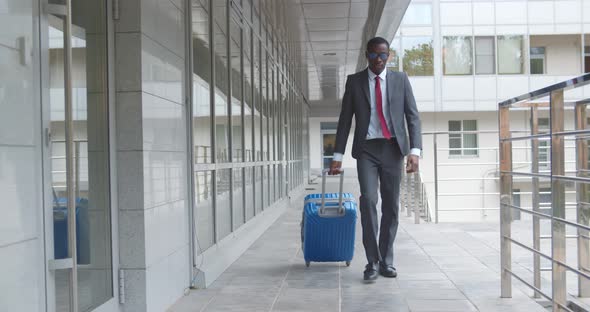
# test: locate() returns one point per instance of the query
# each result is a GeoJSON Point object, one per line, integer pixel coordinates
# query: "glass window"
{"type": "Point", "coordinates": [394, 50]}
{"type": "Point", "coordinates": [201, 83]}
{"type": "Point", "coordinates": [249, 187]}
{"type": "Point", "coordinates": [257, 102]}
{"type": "Point", "coordinates": [418, 14]}
{"type": "Point", "coordinates": [264, 103]}
{"type": "Point", "coordinates": [457, 56]}
{"type": "Point", "coordinates": [537, 61]}
{"type": "Point", "coordinates": [462, 142]}
{"type": "Point", "coordinates": [223, 203]}
{"type": "Point", "coordinates": [248, 101]}
{"type": "Point", "coordinates": [485, 58]}
{"type": "Point", "coordinates": [510, 54]}
{"type": "Point", "coordinates": [258, 189]}
{"type": "Point", "coordinates": [238, 198]}
{"type": "Point", "coordinates": [221, 83]}
{"type": "Point", "coordinates": [236, 70]}
{"type": "Point", "coordinates": [273, 113]}
{"type": "Point", "coordinates": [204, 215]}
{"type": "Point", "coordinates": [418, 57]}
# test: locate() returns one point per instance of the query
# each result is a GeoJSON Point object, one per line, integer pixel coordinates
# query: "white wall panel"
{"type": "Point", "coordinates": [457, 106]}
{"type": "Point", "coordinates": [541, 12]}
{"type": "Point", "coordinates": [568, 28]}
{"type": "Point", "coordinates": [417, 31]}
{"type": "Point", "coordinates": [511, 29]}
{"type": "Point", "coordinates": [511, 86]}
{"type": "Point", "coordinates": [586, 11]}
{"type": "Point", "coordinates": [485, 88]}
{"type": "Point", "coordinates": [568, 11]}
{"type": "Point", "coordinates": [483, 13]}
{"type": "Point", "coordinates": [457, 88]}
{"type": "Point", "coordinates": [456, 30]}
{"type": "Point", "coordinates": [459, 13]}
{"type": "Point", "coordinates": [484, 30]}
{"type": "Point", "coordinates": [22, 270]}
{"type": "Point", "coordinates": [511, 12]}
{"type": "Point", "coordinates": [423, 88]}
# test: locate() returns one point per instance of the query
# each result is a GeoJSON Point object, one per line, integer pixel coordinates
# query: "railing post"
{"type": "Point", "coordinates": [410, 190]}
{"type": "Point", "coordinates": [435, 152]}
{"type": "Point", "coordinates": [416, 198]}
{"type": "Point", "coordinates": [582, 191]}
{"type": "Point", "coordinates": [535, 200]}
{"type": "Point", "coordinates": [505, 200]}
{"type": "Point", "coordinates": [557, 201]}
{"type": "Point", "coordinates": [404, 192]}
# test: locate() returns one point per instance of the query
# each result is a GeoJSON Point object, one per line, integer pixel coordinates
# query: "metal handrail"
{"type": "Point", "coordinates": [557, 175]}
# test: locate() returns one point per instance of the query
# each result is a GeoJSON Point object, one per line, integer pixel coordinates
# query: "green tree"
{"type": "Point", "coordinates": [418, 61]}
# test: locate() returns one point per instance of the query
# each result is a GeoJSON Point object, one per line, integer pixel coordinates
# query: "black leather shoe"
{"type": "Point", "coordinates": [387, 271]}
{"type": "Point", "coordinates": [370, 274]}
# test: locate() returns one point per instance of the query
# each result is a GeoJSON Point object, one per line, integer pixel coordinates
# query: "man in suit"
{"type": "Point", "coordinates": [383, 104]}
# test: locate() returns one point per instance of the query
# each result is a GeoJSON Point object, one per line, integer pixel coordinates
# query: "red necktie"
{"type": "Point", "coordinates": [379, 101]}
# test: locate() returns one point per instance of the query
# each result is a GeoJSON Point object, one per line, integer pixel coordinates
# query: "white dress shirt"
{"type": "Point", "coordinates": [374, 131]}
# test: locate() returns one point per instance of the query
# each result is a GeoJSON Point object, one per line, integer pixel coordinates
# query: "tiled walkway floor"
{"type": "Point", "coordinates": [444, 267]}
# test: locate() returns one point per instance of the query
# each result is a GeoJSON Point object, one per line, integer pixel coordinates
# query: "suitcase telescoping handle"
{"type": "Point", "coordinates": [324, 174]}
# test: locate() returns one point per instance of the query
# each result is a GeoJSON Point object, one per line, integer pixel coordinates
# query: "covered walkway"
{"type": "Point", "coordinates": [441, 267]}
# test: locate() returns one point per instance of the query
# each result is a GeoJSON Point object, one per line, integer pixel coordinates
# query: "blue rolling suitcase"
{"type": "Point", "coordinates": [328, 226]}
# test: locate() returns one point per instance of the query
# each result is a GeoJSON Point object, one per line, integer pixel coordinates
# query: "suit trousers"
{"type": "Point", "coordinates": [379, 165]}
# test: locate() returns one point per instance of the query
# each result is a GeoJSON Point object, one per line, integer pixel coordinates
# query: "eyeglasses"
{"type": "Point", "coordinates": [384, 56]}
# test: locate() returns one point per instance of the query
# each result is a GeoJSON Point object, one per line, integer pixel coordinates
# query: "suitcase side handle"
{"type": "Point", "coordinates": [341, 187]}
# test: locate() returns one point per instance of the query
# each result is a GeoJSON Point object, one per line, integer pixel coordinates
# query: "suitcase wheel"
{"type": "Point", "coordinates": [307, 263]}
{"type": "Point", "coordinates": [347, 263]}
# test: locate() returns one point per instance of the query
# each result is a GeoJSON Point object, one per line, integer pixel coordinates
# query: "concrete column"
{"type": "Point", "coordinates": [151, 153]}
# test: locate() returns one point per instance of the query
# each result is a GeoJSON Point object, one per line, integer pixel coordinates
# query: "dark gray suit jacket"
{"type": "Point", "coordinates": [402, 109]}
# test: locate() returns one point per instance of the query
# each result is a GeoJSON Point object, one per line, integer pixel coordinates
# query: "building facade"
{"type": "Point", "coordinates": [174, 130]}
{"type": "Point", "coordinates": [463, 58]}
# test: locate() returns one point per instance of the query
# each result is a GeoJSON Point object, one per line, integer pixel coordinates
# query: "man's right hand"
{"type": "Point", "coordinates": [335, 167]}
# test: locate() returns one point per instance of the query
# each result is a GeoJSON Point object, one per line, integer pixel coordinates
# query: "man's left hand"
{"type": "Point", "coordinates": [412, 165]}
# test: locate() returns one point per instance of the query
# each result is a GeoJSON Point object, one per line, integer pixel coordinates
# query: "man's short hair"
{"type": "Point", "coordinates": [377, 41]}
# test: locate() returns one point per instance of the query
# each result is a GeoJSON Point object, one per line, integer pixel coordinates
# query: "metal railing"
{"type": "Point", "coordinates": [413, 197]}
{"type": "Point", "coordinates": [551, 100]}
{"type": "Point", "coordinates": [485, 159]}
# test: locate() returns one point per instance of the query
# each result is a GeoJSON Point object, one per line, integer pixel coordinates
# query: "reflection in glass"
{"type": "Point", "coordinates": [238, 197]}
{"type": "Point", "coordinates": [249, 187]}
{"type": "Point", "coordinates": [258, 189]}
{"type": "Point", "coordinates": [457, 56]}
{"type": "Point", "coordinates": [418, 57]}
{"type": "Point", "coordinates": [221, 83]}
{"type": "Point", "coordinates": [485, 57]}
{"type": "Point", "coordinates": [248, 85]}
{"type": "Point", "coordinates": [394, 50]}
{"type": "Point", "coordinates": [510, 55]}
{"type": "Point", "coordinates": [236, 70]}
{"type": "Point", "coordinates": [264, 104]}
{"type": "Point", "coordinates": [204, 215]}
{"type": "Point", "coordinates": [223, 203]}
{"type": "Point", "coordinates": [257, 103]}
{"type": "Point", "coordinates": [90, 154]}
{"type": "Point", "coordinates": [201, 82]}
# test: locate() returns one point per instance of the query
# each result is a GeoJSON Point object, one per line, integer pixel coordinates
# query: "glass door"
{"type": "Point", "coordinates": [77, 117]}
{"type": "Point", "coordinates": [328, 145]}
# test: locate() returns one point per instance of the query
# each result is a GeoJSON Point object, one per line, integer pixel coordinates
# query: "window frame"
{"type": "Point", "coordinates": [471, 41]}
{"type": "Point", "coordinates": [475, 55]}
{"type": "Point", "coordinates": [538, 56]}
{"type": "Point", "coordinates": [453, 135]}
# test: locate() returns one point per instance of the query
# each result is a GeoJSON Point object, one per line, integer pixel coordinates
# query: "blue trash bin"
{"type": "Point", "coordinates": [60, 230]}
